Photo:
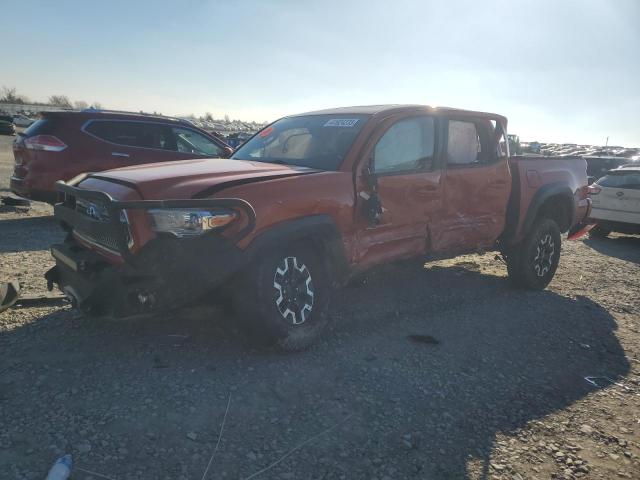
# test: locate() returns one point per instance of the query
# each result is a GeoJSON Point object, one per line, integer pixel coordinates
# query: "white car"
{"type": "Point", "coordinates": [616, 202]}
{"type": "Point", "coordinates": [22, 121]}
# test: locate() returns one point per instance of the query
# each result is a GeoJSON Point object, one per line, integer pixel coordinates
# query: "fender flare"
{"type": "Point", "coordinates": [542, 195]}
{"type": "Point", "coordinates": [321, 227]}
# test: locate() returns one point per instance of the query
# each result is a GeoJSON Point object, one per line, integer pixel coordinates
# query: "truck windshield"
{"type": "Point", "coordinates": [314, 141]}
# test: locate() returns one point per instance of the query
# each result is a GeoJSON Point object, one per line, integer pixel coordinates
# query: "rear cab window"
{"type": "Point", "coordinates": [474, 142]}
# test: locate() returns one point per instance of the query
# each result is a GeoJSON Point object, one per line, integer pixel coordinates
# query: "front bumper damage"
{"type": "Point", "coordinates": [166, 273]}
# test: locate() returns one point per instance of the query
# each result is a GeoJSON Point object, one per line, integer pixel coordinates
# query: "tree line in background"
{"type": "Point", "coordinates": [10, 95]}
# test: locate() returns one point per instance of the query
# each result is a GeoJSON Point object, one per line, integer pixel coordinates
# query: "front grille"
{"type": "Point", "coordinates": [91, 221]}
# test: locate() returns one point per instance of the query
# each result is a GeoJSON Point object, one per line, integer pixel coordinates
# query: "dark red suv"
{"type": "Point", "coordinates": [61, 145]}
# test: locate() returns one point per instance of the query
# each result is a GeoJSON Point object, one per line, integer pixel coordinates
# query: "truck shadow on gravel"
{"type": "Point", "coordinates": [624, 247]}
{"type": "Point", "coordinates": [503, 358]}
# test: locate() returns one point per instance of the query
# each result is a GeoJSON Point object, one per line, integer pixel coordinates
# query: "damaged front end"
{"type": "Point", "coordinates": [104, 273]}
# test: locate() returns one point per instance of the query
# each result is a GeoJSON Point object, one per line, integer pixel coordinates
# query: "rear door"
{"type": "Point", "coordinates": [403, 155]}
{"type": "Point", "coordinates": [476, 185]}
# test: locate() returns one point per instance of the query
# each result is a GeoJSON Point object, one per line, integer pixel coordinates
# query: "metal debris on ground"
{"type": "Point", "coordinates": [605, 382]}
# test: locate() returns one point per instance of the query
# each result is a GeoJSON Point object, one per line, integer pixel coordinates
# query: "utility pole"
{"type": "Point", "coordinates": [606, 145]}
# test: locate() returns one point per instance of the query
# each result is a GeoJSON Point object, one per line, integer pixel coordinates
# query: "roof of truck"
{"type": "Point", "coordinates": [375, 109]}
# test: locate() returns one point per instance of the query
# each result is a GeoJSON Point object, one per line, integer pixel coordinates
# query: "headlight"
{"type": "Point", "coordinates": [184, 222]}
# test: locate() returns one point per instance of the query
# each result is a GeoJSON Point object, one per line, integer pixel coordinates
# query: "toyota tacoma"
{"type": "Point", "coordinates": [306, 203]}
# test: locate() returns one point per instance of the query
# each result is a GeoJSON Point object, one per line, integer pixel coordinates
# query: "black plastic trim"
{"type": "Point", "coordinates": [542, 195]}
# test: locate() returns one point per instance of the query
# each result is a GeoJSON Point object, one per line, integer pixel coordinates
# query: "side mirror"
{"type": "Point", "coordinates": [228, 151]}
{"type": "Point", "coordinates": [590, 180]}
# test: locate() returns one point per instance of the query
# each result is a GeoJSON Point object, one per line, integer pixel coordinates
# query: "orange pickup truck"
{"type": "Point", "coordinates": [303, 205]}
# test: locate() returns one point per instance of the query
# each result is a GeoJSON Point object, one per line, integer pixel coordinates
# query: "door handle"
{"type": "Point", "coordinates": [619, 194]}
{"type": "Point", "coordinates": [120, 154]}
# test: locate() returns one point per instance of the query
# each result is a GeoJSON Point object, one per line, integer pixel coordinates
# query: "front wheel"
{"type": "Point", "coordinates": [533, 263]}
{"type": "Point", "coordinates": [284, 298]}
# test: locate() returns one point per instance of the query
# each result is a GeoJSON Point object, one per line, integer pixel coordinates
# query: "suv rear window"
{"type": "Point", "coordinates": [629, 180]}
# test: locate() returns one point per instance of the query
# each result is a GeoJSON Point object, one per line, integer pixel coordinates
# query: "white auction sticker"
{"type": "Point", "coordinates": [341, 122]}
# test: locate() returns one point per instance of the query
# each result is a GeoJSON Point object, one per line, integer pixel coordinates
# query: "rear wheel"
{"type": "Point", "coordinates": [533, 263]}
{"type": "Point", "coordinates": [599, 232]}
{"type": "Point", "coordinates": [284, 297]}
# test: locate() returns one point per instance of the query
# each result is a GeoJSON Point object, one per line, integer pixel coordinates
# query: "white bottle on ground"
{"type": "Point", "coordinates": [61, 469]}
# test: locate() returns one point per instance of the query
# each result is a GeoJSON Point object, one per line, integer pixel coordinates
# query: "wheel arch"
{"type": "Point", "coordinates": [319, 231]}
{"type": "Point", "coordinates": [553, 201]}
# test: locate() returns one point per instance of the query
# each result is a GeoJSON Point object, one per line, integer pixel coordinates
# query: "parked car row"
{"type": "Point", "coordinates": [6, 125]}
{"type": "Point", "coordinates": [18, 120]}
{"type": "Point", "coordinates": [582, 150]}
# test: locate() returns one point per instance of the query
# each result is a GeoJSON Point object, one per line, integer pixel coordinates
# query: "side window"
{"type": "Point", "coordinates": [407, 145]}
{"type": "Point", "coordinates": [463, 147]}
{"type": "Point", "coordinates": [133, 134]}
{"type": "Point", "coordinates": [190, 141]}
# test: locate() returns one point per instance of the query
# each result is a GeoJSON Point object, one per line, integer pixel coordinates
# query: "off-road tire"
{"type": "Point", "coordinates": [533, 262]}
{"type": "Point", "coordinates": [599, 232]}
{"type": "Point", "coordinates": [282, 298]}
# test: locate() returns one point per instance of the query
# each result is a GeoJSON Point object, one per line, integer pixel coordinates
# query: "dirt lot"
{"type": "Point", "coordinates": [495, 389]}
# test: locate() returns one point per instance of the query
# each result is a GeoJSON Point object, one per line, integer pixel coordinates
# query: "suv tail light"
{"type": "Point", "coordinates": [48, 143]}
{"type": "Point", "coordinates": [594, 189]}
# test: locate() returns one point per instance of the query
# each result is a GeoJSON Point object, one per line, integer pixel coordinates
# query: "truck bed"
{"type": "Point", "coordinates": [536, 179]}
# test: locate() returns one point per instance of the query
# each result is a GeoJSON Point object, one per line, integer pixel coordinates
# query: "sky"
{"type": "Point", "coordinates": [561, 71]}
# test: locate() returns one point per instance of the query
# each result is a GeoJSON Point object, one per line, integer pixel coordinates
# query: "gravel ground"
{"type": "Point", "coordinates": [438, 371]}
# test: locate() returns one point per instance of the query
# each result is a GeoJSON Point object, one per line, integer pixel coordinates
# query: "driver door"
{"type": "Point", "coordinates": [408, 183]}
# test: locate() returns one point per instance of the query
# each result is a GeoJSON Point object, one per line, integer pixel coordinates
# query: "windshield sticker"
{"type": "Point", "coordinates": [341, 122]}
{"type": "Point", "coordinates": [266, 132]}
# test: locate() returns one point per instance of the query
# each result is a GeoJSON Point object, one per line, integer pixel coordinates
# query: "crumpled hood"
{"type": "Point", "coordinates": [195, 178]}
